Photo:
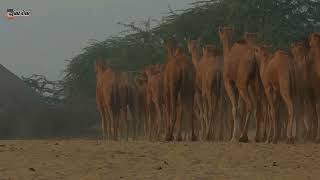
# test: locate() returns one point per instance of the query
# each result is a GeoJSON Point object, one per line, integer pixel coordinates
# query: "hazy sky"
{"type": "Point", "coordinates": [58, 29]}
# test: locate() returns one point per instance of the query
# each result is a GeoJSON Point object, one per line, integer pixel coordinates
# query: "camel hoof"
{"type": "Point", "coordinates": [290, 140]}
{"type": "Point", "coordinates": [274, 141]}
{"type": "Point", "coordinates": [317, 140]}
{"type": "Point", "coordinates": [244, 139]}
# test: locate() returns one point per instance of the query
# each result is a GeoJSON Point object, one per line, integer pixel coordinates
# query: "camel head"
{"type": "Point", "coordinates": [210, 50]}
{"type": "Point", "coordinates": [250, 37]}
{"type": "Point", "coordinates": [298, 49]}
{"type": "Point", "coordinates": [193, 45]}
{"type": "Point", "coordinates": [225, 33]}
{"type": "Point", "coordinates": [170, 44]}
{"type": "Point", "coordinates": [314, 40]}
{"type": "Point", "coordinates": [99, 66]}
{"type": "Point", "coordinates": [261, 52]}
{"type": "Point", "coordinates": [179, 53]}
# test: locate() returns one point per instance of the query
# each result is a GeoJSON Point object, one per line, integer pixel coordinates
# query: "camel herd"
{"type": "Point", "coordinates": [204, 93]}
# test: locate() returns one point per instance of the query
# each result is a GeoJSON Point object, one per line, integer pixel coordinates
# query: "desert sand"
{"type": "Point", "coordinates": [95, 160]}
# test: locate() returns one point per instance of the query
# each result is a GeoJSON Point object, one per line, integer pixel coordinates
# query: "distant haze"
{"type": "Point", "coordinates": [58, 30]}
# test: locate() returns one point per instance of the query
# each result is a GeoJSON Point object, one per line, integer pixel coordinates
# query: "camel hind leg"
{"type": "Point", "coordinates": [290, 106]}
{"type": "Point", "coordinates": [249, 104]}
{"type": "Point", "coordinates": [232, 97]}
{"type": "Point", "coordinates": [318, 118]}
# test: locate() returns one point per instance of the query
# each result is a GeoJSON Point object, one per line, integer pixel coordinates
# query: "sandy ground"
{"type": "Point", "coordinates": [94, 160]}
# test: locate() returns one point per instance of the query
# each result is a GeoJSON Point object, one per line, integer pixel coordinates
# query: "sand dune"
{"type": "Point", "coordinates": [94, 160]}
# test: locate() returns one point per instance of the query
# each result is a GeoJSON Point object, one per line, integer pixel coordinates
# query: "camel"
{"type": "Point", "coordinates": [277, 75]}
{"type": "Point", "coordinates": [104, 92]}
{"type": "Point", "coordinates": [99, 99]}
{"type": "Point", "coordinates": [137, 104]}
{"type": "Point", "coordinates": [154, 99]}
{"type": "Point", "coordinates": [193, 46]}
{"type": "Point", "coordinates": [178, 85]}
{"type": "Point", "coordinates": [239, 75]}
{"type": "Point", "coordinates": [300, 54]}
{"type": "Point", "coordinates": [121, 99]}
{"type": "Point", "coordinates": [210, 77]}
{"type": "Point", "coordinates": [314, 69]}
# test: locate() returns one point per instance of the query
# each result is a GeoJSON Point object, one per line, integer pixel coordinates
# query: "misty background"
{"type": "Point", "coordinates": [58, 30]}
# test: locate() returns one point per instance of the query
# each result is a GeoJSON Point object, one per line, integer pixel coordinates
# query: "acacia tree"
{"type": "Point", "coordinates": [279, 22]}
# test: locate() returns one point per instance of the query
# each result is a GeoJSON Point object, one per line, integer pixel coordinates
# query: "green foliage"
{"type": "Point", "coordinates": [278, 22]}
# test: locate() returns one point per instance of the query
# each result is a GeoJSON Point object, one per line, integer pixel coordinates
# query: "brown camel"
{"type": "Point", "coordinates": [210, 74]}
{"type": "Point", "coordinates": [137, 105]}
{"type": "Point", "coordinates": [193, 46]}
{"type": "Point", "coordinates": [122, 103]}
{"type": "Point", "coordinates": [178, 84]}
{"type": "Point", "coordinates": [277, 75]}
{"type": "Point", "coordinates": [239, 73]}
{"type": "Point", "coordinates": [99, 98]}
{"type": "Point", "coordinates": [104, 98]}
{"type": "Point", "coordinates": [154, 103]}
{"type": "Point", "coordinates": [300, 56]}
{"type": "Point", "coordinates": [314, 69]}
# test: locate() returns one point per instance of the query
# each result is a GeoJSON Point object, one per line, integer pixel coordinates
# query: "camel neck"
{"type": "Point", "coordinates": [263, 64]}
{"type": "Point", "coordinates": [315, 52]}
{"type": "Point", "coordinates": [169, 54]}
{"type": "Point", "coordinates": [226, 43]}
{"type": "Point", "coordinates": [195, 58]}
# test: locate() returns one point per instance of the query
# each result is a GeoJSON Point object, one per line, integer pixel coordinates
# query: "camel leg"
{"type": "Point", "coordinates": [215, 118]}
{"type": "Point", "coordinates": [259, 119]}
{"type": "Point", "coordinates": [290, 107]}
{"type": "Point", "coordinates": [179, 118]}
{"type": "Point", "coordinates": [318, 118]}
{"type": "Point", "coordinates": [171, 115]}
{"type": "Point", "coordinates": [273, 116]}
{"type": "Point", "coordinates": [268, 125]}
{"type": "Point", "coordinates": [209, 116]}
{"type": "Point", "coordinates": [111, 119]}
{"type": "Point", "coordinates": [232, 97]}
{"type": "Point", "coordinates": [306, 120]}
{"type": "Point", "coordinates": [245, 95]}
{"type": "Point", "coordinates": [127, 122]}
{"type": "Point", "coordinates": [150, 122]}
{"type": "Point", "coordinates": [102, 115]}
{"type": "Point", "coordinates": [159, 120]}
